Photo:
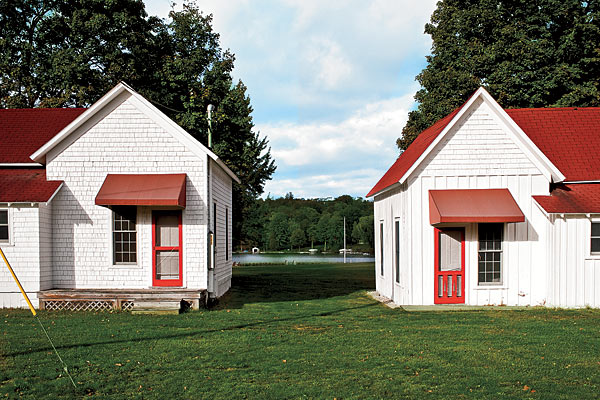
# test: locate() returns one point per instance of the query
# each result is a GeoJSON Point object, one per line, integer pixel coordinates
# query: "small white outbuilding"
{"type": "Point", "coordinates": [107, 206]}
{"type": "Point", "coordinates": [493, 207]}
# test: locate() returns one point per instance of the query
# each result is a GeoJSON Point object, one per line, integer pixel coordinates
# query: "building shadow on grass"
{"type": "Point", "coordinates": [265, 284]}
{"type": "Point", "coordinates": [198, 332]}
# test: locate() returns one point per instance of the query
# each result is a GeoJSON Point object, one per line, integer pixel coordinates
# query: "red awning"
{"type": "Point", "coordinates": [473, 205]}
{"type": "Point", "coordinates": [142, 190]}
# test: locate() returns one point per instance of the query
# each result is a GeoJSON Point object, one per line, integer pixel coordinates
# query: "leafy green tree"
{"type": "Point", "coordinates": [57, 53]}
{"type": "Point", "coordinates": [306, 217]}
{"type": "Point", "coordinates": [525, 53]}
{"type": "Point", "coordinates": [278, 232]}
{"type": "Point", "coordinates": [363, 230]}
{"type": "Point", "coordinates": [335, 231]}
{"type": "Point", "coordinates": [322, 227]}
{"type": "Point", "coordinates": [254, 225]}
{"type": "Point", "coordinates": [297, 238]}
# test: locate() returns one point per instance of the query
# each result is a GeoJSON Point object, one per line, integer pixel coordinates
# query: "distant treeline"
{"type": "Point", "coordinates": [290, 224]}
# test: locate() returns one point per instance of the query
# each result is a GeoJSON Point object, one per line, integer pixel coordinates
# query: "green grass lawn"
{"type": "Point", "coordinates": [304, 331]}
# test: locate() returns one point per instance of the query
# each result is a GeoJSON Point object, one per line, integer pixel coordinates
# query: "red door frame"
{"type": "Point", "coordinates": [445, 299]}
{"type": "Point", "coordinates": [155, 248]}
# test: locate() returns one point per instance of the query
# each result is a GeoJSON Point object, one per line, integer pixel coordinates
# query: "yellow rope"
{"type": "Point", "coordinates": [18, 283]}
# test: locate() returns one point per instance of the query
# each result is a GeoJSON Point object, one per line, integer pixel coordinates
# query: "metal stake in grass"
{"type": "Point", "coordinates": [36, 316]}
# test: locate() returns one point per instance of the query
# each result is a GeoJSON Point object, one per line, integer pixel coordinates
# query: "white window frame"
{"type": "Point", "coordinates": [592, 254]}
{"type": "Point", "coordinates": [381, 247]}
{"type": "Point", "coordinates": [502, 252]}
{"type": "Point", "coordinates": [114, 264]}
{"type": "Point", "coordinates": [397, 250]}
{"type": "Point", "coordinates": [8, 242]}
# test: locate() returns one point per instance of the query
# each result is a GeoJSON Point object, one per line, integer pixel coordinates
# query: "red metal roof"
{"type": "Point", "coordinates": [26, 185]}
{"type": "Point", "coordinates": [142, 190]}
{"type": "Point", "coordinates": [23, 131]}
{"type": "Point", "coordinates": [569, 137]}
{"type": "Point", "coordinates": [575, 198]}
{"type": "Point", "coordinates": [473, 205]}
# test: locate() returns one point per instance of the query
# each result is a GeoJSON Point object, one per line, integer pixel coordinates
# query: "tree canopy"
{"type": "Point", "coordinates": [60, 54]}
{"type": "Point", "coordinates": [290, 223]}
{"type": "Point", "coordinates": [525, 53]}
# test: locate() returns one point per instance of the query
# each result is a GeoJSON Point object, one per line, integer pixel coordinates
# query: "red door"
{"type": "Point", "coordinates": [449, 266]}
{"type": "Point", "coordinates": [167, 249]}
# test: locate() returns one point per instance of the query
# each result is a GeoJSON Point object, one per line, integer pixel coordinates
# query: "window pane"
{"type": "Point", "coordinates": [124, 235]}
{"type": "Point", "coordinates": [167, 265]}
{"type": "Point", "coordinates": [490, 253]}
{"type": "Point", "coordinates": [450, 250]}
{"type": "Point", "coordinates": [595, 228]}
{"type": "Point", "coordinates": [596, 245]}
{"type": "Point", "coordinates": [167, 230]}
{"type": "Point", "coordinates": [4, 233]}
{"type": "Point", "coordinates": [4, 217]}
{"type": "Point", "coordinates": [397, 228]}
{"type": "Point", "coordinates": [381, 245]}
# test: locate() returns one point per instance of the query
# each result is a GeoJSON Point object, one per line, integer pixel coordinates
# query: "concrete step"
{"type": "Point", "coordinates": [156, 307]}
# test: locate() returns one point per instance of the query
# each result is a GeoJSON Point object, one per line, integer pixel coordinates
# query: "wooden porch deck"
{"type": "Point", "coordinates": [118, 299]}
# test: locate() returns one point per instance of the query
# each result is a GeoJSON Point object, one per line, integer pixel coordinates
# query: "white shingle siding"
{"type": "Point", "coordinates": [23, 253]}
{"type": "Point", "coordinates": [478, 153]}
{"type": "Point", "coordinates": [221, 195]}
{"type": "Point", "coordinates": [478, 146]}
{"type": "Point", "coordinates": [120, 139]}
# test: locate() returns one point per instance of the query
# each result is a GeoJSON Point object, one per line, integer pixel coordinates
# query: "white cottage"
{"type": "Point", "coordinates": [110, 206]}
{"type": "Point", "coordinates": [493, 207]}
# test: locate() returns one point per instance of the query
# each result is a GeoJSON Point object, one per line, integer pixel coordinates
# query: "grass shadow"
{"type": "Point", "coordinates": [275, 283]}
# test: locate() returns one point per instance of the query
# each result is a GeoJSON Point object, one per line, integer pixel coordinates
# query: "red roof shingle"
{"type": "Point", "coordinates": [24, 131]}
{"type": "Point", "coordinates": [26, 185]}
{"type": "Point", "coordinates": [576, 198]}
{"type": "Point", "coordinates": [569, 137]}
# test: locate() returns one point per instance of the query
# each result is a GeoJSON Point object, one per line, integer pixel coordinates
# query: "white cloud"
{"type": "Point", "coordinates": [355, 183]}
{"type": "Point", "coordinates": [331, 83]}
{"type": "Point", "coordinates": [327, 67]}
{"type": "Point", "coordinates": [325, 159]}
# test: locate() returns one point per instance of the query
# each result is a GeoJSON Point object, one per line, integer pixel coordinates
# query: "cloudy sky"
{"type": "Point", "coordinates": [331, 83]}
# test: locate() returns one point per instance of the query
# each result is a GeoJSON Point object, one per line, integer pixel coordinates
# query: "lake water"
{"type": "Point", "coordinates": [246, 258]}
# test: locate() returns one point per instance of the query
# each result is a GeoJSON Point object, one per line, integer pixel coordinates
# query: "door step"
{"type": "Point", "coordinates": [156, 307]}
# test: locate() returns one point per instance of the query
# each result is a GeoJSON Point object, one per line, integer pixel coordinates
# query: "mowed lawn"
{"type": "Point", "coordinates": [304, 331]}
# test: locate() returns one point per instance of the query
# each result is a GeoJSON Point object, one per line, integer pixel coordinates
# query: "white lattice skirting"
{"type": "Point", "coordinates": [85, 305]}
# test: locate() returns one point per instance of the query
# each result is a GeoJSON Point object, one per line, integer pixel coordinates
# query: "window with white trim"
{"type": "Point", "coordinates": [226, 233]}
{"type": "Point", "coordinates": [595, 239]}
{"type": "Point", "coordinates": [397, 243]}
{"type": "Point", "coordinates": [381, 246]}
{"type": "Point", "coordinates": [490, 254]}
{"type": "Point", "coordinates": [124, 235]}
{"type": "Point", "coordinates": [4, 229]}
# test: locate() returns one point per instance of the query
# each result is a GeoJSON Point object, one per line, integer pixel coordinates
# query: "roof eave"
{"type": "Point", "coordinates": [40, 155]}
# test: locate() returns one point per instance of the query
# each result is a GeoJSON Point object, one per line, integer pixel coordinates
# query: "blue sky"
{"type": "Point", "coordinates": [331, 83]}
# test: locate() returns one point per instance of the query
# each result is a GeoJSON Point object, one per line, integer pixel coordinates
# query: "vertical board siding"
{"type": "Point", "coordinates": [573, 271]}
{"type": "Point", "coordinates": [221, 191]}
{"type": "Point", "coordinates": [476, 154]}
{"type": "Point", "coordinates": [123, 140]}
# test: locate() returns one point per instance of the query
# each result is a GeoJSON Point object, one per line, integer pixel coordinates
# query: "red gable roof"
{"type": "Point", "coordinates": [23, 131]}
{"type": "Point", "coordinates": [412, 154]}
{"type": "Point", "coordinates": [26, 185]}
{"type": "Point", "coordinates": [575, 198]}
{"type": "Point", "coordinates": [569, 137]}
